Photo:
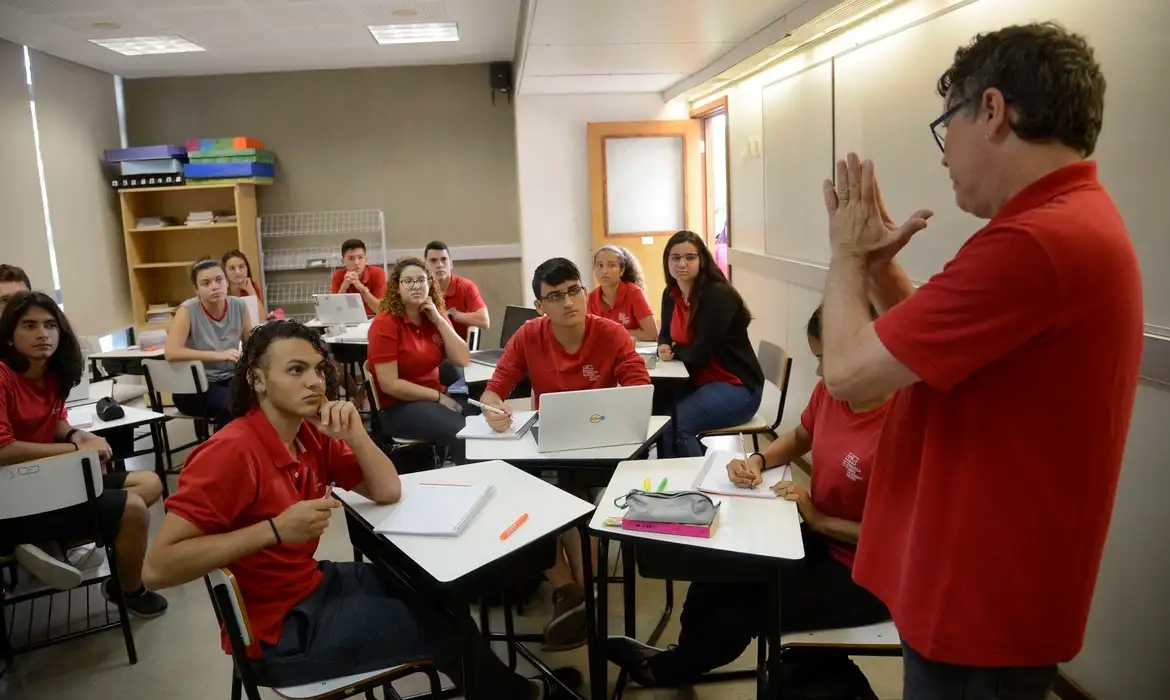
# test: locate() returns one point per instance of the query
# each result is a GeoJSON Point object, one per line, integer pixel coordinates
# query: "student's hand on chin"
{"type": "Point", "coordinates": [428, 308]}
{"type": "Point", "coordinates": [339, 420]}
{"type": "Point", "coordinates": [665, 353]}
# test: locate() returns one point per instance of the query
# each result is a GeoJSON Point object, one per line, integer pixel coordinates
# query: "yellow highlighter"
{"type": "Point", "coordinates": [646, 484]}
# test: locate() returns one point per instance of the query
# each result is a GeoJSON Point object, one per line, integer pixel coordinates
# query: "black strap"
{"type": "Point", "coordinates": [272, 525]}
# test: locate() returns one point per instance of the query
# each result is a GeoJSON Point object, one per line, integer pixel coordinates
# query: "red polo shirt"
{"type": "Point", "coordinates": [463, 296]}
{"type": "Point", "coordinates": [29, 412]}
{"type": "Point", "coordinates": [629, 306]}
{"type": "Point", "coordinates": [259, 295]}
{"type": "Point", "coordinates": [843, 447]}
{"type": "Point", "coordinates": [606, 359]}
{"type": "Point", "coordinates": [244, 475]}
{"type": "Point", "coordinates": [988, 509]}
{"type": "Point", "coordinates": [374, 277]}
{"type": "Point", "coordinates": [681, 335]}
{"type": "Point", "coordinates": [418, 350]}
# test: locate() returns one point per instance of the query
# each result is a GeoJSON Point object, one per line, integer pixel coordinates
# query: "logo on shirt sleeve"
{"type": "Point", "coordinates": [852, 464]}
{"type": "Point", "coordinates": [590, 373]}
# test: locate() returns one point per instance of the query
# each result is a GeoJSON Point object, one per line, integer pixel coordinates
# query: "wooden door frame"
{"type": "Point", "coordinates": [703, 113]}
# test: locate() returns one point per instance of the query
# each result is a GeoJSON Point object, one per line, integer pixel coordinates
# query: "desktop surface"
{"type": "Point", "coordinates": [525, 449]}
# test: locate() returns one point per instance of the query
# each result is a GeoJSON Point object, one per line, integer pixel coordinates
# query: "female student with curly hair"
{"type": "Point", "coordinates": [409, 338]}
{"type": "Point", "coordinates": [620, 294]}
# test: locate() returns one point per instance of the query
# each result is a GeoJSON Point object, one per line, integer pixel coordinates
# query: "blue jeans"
{"type": "Point", "coordinates": [923, 679]}
{"type": "Point", "coordinates": [710, 407]}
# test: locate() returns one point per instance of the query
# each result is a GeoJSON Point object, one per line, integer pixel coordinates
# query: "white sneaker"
{"type": "Point", "coordinates": [86, 557]}
{"type": "Point", "coordinates": [47, 568]}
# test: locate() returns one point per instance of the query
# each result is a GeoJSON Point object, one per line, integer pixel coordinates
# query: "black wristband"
{"type": "Point", "coordinates": [69, 435]}
{"type": "Point", "coordinates": [763, 459]}
{"type": "Point", "coordinates": [272, 525]}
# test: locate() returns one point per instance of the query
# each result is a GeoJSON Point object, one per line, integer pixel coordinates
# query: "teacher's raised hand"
{"type": "Point", "coordinates": [859, 224]}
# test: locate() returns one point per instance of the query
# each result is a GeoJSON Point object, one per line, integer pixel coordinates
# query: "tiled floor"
{"type": "Point", "coordinates": [180, 657]}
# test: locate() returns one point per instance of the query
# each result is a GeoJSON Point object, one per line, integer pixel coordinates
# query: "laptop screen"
{"type": "Point", "coordinates": [514, 318]}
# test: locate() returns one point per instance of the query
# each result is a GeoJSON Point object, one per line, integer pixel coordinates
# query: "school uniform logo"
{"type": "Point", "coordinates": [623, 318]}
{"type": "Point", "coordinates": [852, 464]}
{"type": "Point", "coordinates": [590, 373]}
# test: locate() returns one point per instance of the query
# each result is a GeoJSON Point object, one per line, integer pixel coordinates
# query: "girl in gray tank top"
{"type": "Point", "coordinates": [216, 334]}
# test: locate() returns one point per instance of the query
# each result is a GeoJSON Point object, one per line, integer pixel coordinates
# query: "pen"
{"type": "Point", "coordinates": [512, 528]}
{"type": "Point", "coordinates": [485, 407]}
{"type": "Point", "coordinates": [329, 488]}
{"type": "Point", "coordinates": [661, 485]}
{"type": "Point", "coordinates": [646, 484]}
{"type": "Point", "coordinates": [432, 483]}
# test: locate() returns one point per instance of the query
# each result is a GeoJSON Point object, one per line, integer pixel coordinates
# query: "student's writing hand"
{"type": "Point", "coordinates": [231, 355]}
{"type": "Point", "coordinates": [499, 422]}
{"type": "Point", "coordinates": [744, 473]}
{"type": "Point", "coordinates": [339, 420]}
{"type": "Point", "coordinates": [792, 491]}
{"type": "Point", "coordinates": [665, 353]}
{"type": "Point", "coordinates": [304, 520]}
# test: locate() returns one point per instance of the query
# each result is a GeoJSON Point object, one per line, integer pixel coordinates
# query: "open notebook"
{"type": "Point", "coordinates": [713, 478]}
{"type": "Point", "coordinates": [434, 509]}
{"type": "Point", "coordinates": [476, 428]}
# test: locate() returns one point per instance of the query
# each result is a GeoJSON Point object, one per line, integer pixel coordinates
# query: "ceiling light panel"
{"type": "Point", "coordinates": [415, 33]}
{"type": "Point", "coordinates": [148, 45]}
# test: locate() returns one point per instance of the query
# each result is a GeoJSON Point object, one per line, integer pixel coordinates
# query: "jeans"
{"type": "Point", "coordinates": [709, 407]}
{"type": "Point", "coordinates": [923, 679]}
{"type": "Point", "coordinates": [719, 620]}
{"type": "Point", "coordinates": [218, 403]}
{"type": "Point", "coordinates": [430, 421]}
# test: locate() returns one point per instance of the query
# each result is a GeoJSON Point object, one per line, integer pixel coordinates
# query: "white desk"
{"type": "Point", "coordinates": [763, 527]}
{"type": "Point", "coordinates": [448, 559]}
{"type": "Point", "coordinates": [122, 392]}
{"type": "Point", "coordinates": [134, 416]}
{"type": "Point", "coordinates": [130, 353]}
{"type": "Point", "coordinates": [524, 449]}
{"type": "Point", "coordinates": [354, 335]}
{"type": "Point", "coordinates": [476, 373]}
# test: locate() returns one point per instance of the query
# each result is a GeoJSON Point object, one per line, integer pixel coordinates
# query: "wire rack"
{"type": "Point", "coordinates": [295, 292]}
{"type": "Point", "coordinates": [312, 258]}
{"type": "Point", "coordinates": [302, 318]}
{"type": "Point", "coordinates": [321, 223]}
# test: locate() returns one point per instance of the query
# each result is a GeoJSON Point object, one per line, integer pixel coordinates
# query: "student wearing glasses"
{"type": "Point", "coordinates": [565, 349]}
{"type": "Point", "coordinates": [704, 325]}
{"type": "Point", "coordinates": [620, 294]}
{"type": "Point", "coordinates": [209, 328]}
{"type": "Point", "coordinates": [409, 338]}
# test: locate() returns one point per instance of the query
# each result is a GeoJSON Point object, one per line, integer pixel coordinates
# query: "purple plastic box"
{"type": "Point", "coordinates": [117, 155]}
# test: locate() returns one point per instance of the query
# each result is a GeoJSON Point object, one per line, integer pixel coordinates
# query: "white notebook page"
{"type": "Point", "coordinates": [713, 478]}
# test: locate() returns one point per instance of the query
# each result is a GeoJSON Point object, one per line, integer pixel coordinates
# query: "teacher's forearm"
{"type": "Point", "coordinates": [846, 313]}
{"type": "Point", "coordinates": [889, 285]}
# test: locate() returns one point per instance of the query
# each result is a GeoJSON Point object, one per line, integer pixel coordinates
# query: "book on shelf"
{"type": "Point", "coordinates": [154, 221]}
{"type": "Point", "coordinates": [160, 313]}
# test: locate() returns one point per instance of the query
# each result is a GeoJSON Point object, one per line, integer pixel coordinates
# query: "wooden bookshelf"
{"type": "Point", "coordinates": [158, 259]}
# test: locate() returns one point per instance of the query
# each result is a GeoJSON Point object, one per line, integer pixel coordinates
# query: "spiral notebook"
{"type": "Point", "coordinates": [713, 478]}
{"type": "Point", "coordinates": [442, 510]}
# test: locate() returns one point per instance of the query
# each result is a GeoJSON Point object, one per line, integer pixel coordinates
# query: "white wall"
{"type": "Point", "coordinates": [553, 166]}
{"type": "Point", "coordinates": [1129, 626]}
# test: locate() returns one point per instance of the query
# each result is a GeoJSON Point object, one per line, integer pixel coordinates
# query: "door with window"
{"type": "Point", "coordinates": [645, 183]}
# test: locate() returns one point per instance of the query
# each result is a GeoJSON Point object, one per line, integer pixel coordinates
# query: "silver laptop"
{"type": "Point", "coordinates": [514, 318]}
{"type": "Point", "coordinates": [343, 309]}
{"type": "Point", "coordinates": [577, 420]}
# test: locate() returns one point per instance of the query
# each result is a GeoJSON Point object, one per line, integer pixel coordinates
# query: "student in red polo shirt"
{"type": "Point", "coordinates": [255, 498]}
{"type": "Point", "coordinates": [465, 306]}
{"type": "Point", "coordinates": [566, 349]}
{"type": "Point", "coordinates": [719, 620]}
{"type": "Point", "coordinates": [621, 292]}
{"type": "Point", "coordinates": [704, 324]}
{"type": "Point", "coordinates": [358, 276]}
{"type": "Point", "coordinates": [988, 514]}
{"type": "Point", "coordinates": [40, 361]}
{"type": "Point", "coordinates": [409, 338]}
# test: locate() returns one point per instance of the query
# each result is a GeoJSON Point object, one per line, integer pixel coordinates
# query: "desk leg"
{"type": "Point", "coordinates": [597, 615]}
{"type": "Point", "coordinates": [629, 590]}
{"type": "Point", "coordinates": [471, 687]}
{"type": "Point", "coordinates": [773, 637]}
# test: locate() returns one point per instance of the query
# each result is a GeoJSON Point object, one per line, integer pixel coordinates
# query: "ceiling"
{"type": "Point", "coordinates": [248, 36]}
{"type": "Point", "coordinates": [581, 46]}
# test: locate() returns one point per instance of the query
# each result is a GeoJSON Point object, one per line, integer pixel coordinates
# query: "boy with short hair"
{"type": "Point", "coordinates": [359, 277]}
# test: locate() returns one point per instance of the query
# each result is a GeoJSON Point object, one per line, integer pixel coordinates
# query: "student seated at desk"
{"type": "Point", "coordinates": [704, 324]}
{"type": "Point", "coordinates": [255, 499]}
{"type": "Point", "coordinates": [719, 620]}
{"type": "Point", "coordinates": [565, 349]}
{"type": "Point", "coordinates": [620, 294]}
{"type": "Point", "coordinates": [359, 277]}
{"type": "Point", "coordinates": [40, 361]}
{"type": "Point", "coordinates": [209, 329]}
{"type": "Point", "coordinates": [409, 338]}
{"type": "Point", "coordinates": [239, 277]}
{"type": "Point", "coordinates": [465, 307]}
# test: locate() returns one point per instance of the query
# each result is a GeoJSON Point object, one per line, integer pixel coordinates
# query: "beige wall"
{"type": "Point", "coordinates": [424, 144]}
{"type": "Point", "coordinates": [881, 101]}
{"type": "Point", "coordinates": [78, 118]}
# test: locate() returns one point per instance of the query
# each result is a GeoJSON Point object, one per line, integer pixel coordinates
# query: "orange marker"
{"type": "Point", "coordinates": [513, 527]}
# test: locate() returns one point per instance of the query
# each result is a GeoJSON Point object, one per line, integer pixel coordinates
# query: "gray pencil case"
{"type": "Point", "coordinates": [683, 507]}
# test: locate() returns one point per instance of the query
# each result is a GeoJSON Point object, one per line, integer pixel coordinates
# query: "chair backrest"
{"type": "Point", "coordinates": [372, 389]}
{"type": "Point", "coordinates": [253, 305]}
{"type": "Point", "coordinates": [51, 484]}
{"type": "Point", "coordinates": [473, 338]}
{"type": "Point", "coordinates": [167, 377]}
{"type": "Point", "coordinates": [777, 367]}
{"type": "Point", "coordinates": [225, 590]}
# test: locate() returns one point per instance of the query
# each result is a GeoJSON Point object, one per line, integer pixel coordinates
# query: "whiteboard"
{"type": "Point", "coordinates": [798, 155]}
{"type": "Point", "coordinates": [885, 101]}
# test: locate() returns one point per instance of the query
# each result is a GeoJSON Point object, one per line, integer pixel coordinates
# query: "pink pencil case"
{"type": "Point", "coordinates": [670, 528]}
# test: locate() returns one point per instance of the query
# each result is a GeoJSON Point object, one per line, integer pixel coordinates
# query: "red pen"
{"type": "Point", "coordinates": [513, 527]}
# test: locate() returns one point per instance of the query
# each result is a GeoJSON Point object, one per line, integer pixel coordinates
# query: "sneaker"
{"type": "Point", "coordinates": [86, 557]}
{"type": "Point", "coordinates": [145, 604]}
{"type": "Point", "coordinates": [543, 690]}
{"type": "Point", "coordinates": [633, 657]}
{"type": "Point", "coordinates": [47, 568]}
{"type": "Point", "coordinates": [568, 627]}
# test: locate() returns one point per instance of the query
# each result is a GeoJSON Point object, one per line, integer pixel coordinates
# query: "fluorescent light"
{"type": "Point", "coordinates": [415, 32]}
{"type": "Point", "coordinates": [147, 45]}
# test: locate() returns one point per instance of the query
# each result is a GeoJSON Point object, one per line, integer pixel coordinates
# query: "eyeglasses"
{"type": "Point", "coordinates": [559, 297]}
{"type": "Point", "coordinates": [689, 257]}
{"type": "Point", "coordinates": [938, 127]}
{"type": "Point", "coordinates": [413, 282]}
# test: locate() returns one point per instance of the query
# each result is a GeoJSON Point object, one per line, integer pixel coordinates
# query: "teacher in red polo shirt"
{"type": "Point", "coordinates": [995, 477]}
{"type": "Point", "coordinates": [409, 338]}
{"type": "Point", "coordinates": [358, 276]}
